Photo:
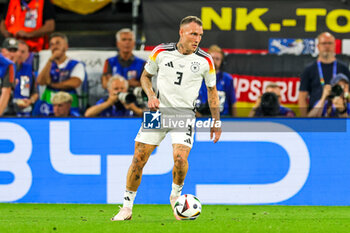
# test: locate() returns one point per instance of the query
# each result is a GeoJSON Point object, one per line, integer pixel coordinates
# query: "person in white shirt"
{"type": "Point", "coordinates": [180, 68]}
{"type": "Point", "coordinates": [61, 73]}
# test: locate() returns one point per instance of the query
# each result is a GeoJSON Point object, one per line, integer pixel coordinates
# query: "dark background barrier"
{"type": "Point", "coordinates": [246, 24]}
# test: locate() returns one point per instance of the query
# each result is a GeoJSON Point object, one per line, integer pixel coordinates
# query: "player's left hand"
{"type": "Point", "coordinates": [215, 131]}
{"type": "Point", "coordinates": [153, 103]}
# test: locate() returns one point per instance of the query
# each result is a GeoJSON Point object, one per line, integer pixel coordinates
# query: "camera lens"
{"type": "Point", "coordinates": [126, 98]}
{"type": "Point", "coordinates": [269, 104]}
{"type": "Point", "coordinates": [337, 90]}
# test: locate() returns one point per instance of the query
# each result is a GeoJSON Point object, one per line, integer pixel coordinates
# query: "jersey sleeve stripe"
{"type": "Point", "coordinates": [161, 48]}
{"type": "Point", "coordinates": [211, 66]}
{"type": "Point", "coordinates": [154, 55]}
{"type": "Point", "coordinates": [209, 60]}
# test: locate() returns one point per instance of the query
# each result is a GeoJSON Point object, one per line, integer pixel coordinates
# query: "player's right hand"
{"type": "Point", "coordinates": [216, 132]}
{"type": "Point", "coordinates": [153, 103]}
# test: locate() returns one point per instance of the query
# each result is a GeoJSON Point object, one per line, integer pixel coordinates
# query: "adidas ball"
{"type": "Point", "coordinates": [187, 207]}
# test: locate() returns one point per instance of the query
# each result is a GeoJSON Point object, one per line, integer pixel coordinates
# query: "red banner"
{"type": "Point", "coordinates": [249, 88]}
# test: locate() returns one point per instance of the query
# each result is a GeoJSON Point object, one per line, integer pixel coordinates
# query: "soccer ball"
{"type": "Point", "coordinates": [187, 207]}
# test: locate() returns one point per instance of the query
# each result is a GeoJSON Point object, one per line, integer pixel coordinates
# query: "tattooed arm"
{"type": "Point", "coordinates": [214, 105]}
{"type": "Point", "coordinates": [153, 102]}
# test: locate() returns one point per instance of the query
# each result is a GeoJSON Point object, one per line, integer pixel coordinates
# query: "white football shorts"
{"type": "Point", "coordinates": [155, 137]}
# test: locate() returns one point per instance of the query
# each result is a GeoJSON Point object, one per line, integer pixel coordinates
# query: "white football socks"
{"type": "Point", "coordinates": [129, 197]}
{"type": "Point", "coordinates": [176, 190]}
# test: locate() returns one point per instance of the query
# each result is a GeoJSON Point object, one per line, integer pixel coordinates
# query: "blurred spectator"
{"type": "Point", "coordinates": [269, 104]}
{"type": "Point", "coordinates": [29, 20]}
{"type": "Point", "coordinates": [125, 63]}
{"type": "Point", "coordinates": [7, 79]}
{"type": "Point", "coordinates": [9, 49]}
{"type": "Point", "coordinates": [335, 99]}
{"type": "Point", "coordinates": [30, 58]}
{"type": "Point", "coordinates": [62, 102]}
{"type": "Point", "coordinates": [25, 92]}
{"type": "Point", "coordinates": [61, 73]}
{"type": "Point", "coordinates": [118, 102]}
{"type": "Point", "coordinates": [319, 73]}
{"type": "Point", "coordinates": [25, 56]}
{"type": "Point", "coordinates": [224, 85]}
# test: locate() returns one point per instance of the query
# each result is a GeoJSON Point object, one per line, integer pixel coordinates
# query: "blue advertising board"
{"type": "Point", "coordinates": [264, 161]}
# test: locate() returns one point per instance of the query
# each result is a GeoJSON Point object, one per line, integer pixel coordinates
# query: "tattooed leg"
{"type": "Point", "coordinates": [141, 155]}
{"type": "Point", "coordinates": [180, 154]}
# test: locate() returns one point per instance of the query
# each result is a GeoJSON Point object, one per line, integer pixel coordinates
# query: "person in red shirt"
{"type": "Point", "coordinates": [29, 20]}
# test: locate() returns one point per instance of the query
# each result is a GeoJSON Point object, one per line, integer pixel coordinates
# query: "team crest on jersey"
{"type": "Point", "coordinates": [195, 66]}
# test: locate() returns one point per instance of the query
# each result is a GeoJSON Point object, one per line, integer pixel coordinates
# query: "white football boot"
{"type": "Point", "coordinates": [172, 203]}
{"type": "Point", "coordinates": [125, 213]}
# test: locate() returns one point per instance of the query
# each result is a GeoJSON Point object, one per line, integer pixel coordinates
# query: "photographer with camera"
{"type": "Point", "coordinates": [319, 73]}
{"type": "Point", "coordinates": [269, 104]}
{"type": "Point", "coordinates": [334, 101]}
{"type": "Point", "coordinates": [119, 102]}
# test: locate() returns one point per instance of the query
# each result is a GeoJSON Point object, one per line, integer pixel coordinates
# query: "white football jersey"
{"type": "Point", "coordinates": [179, 77]}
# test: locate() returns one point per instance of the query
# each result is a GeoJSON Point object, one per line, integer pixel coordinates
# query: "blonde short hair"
{"type": "Point", "coordinates": [62, 97]}
{"type": "Point", "coordinates": [190, 19]}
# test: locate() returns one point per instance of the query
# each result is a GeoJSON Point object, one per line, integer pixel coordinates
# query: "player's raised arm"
{"type": "Point", "coordinates": [214, 105]}
{"type": "Point", "coordinates": [146, 83]}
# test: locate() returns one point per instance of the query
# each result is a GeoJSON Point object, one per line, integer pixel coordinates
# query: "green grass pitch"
{"type": "Point", "coordinates": [158, 218]}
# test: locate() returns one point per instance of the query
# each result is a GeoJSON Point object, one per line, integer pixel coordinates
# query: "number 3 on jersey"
{"type": "Point", "coordinates": [179, 78]}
